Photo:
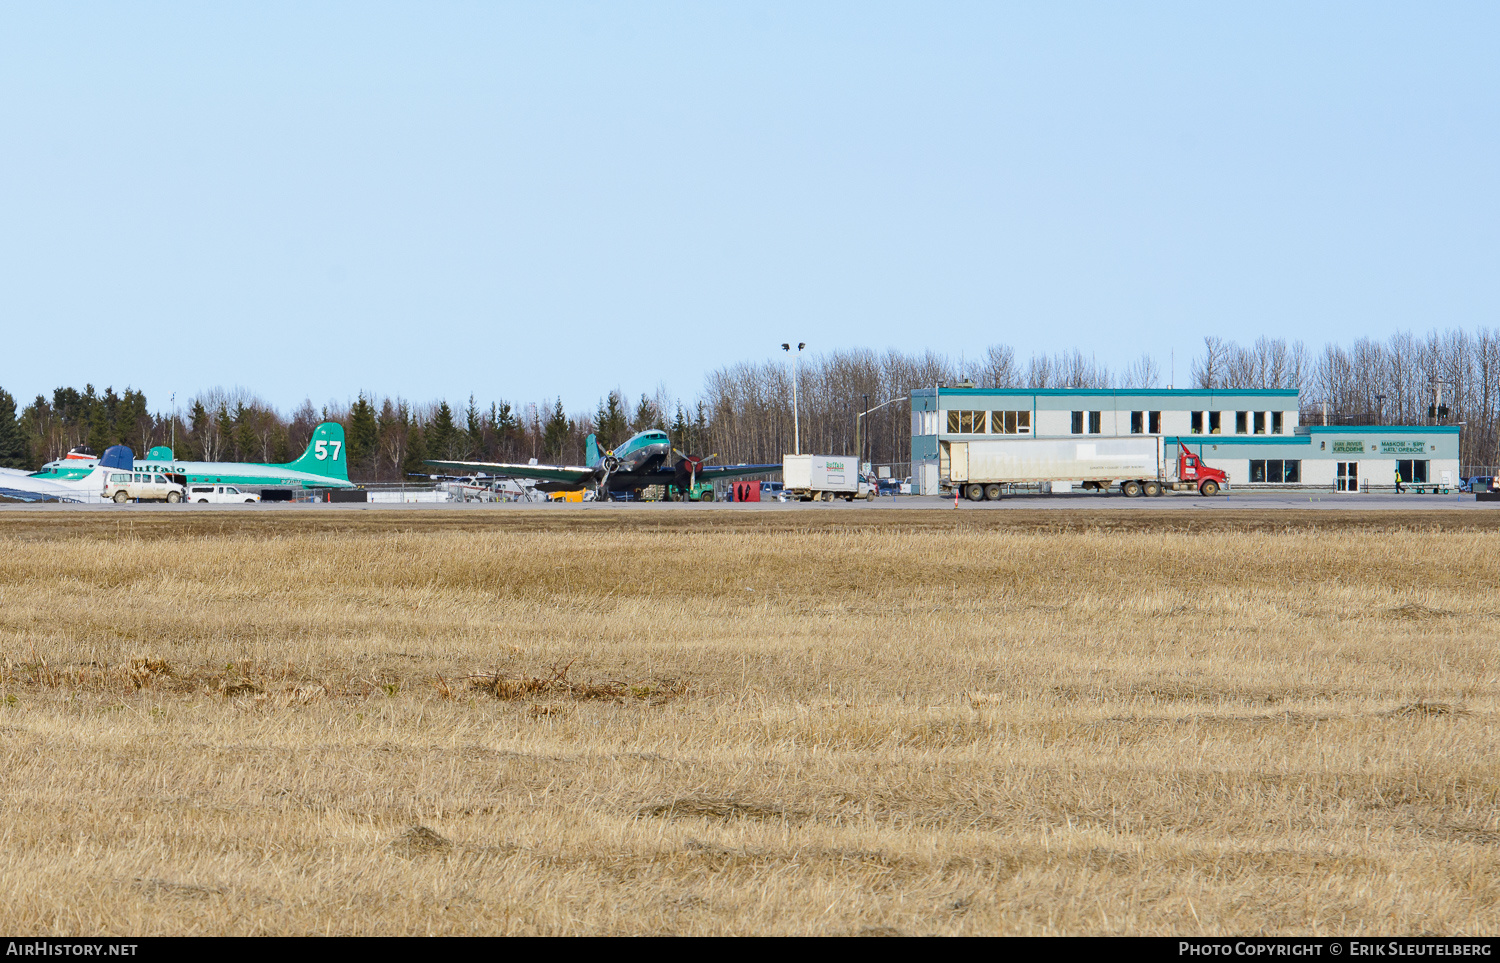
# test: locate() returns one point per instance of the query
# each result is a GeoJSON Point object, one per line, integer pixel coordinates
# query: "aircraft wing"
{"type": "Point", "coordinates": [732, 471]}
{"type": "Point", "coordinates": [561, 473]}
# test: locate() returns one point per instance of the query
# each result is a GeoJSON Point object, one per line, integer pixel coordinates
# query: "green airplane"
{"type": "Point", "coordinates": [325, 464]}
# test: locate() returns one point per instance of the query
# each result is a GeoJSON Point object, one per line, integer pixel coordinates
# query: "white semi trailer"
{"type": "Point", "coordinates": [823, 477]}
{"type": "Point", "coordinates": [1137, 466]}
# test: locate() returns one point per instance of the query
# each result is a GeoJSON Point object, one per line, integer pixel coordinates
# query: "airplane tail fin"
{"type": "Point", "coordinates": [118, 457]}
{"type": "Point", "coordinates": [325, 453]}
{"type": "Point", "coordinates": [594, 457]}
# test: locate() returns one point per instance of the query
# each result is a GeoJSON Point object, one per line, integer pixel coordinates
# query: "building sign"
{"type": "Point", "coordinates": [1349, 447]}
{"type": "Point", "coordinates": [1403, 447]}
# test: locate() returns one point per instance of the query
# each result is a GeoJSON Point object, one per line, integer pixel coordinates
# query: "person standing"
{"type": "Point", "coordinates": [1398, 479]}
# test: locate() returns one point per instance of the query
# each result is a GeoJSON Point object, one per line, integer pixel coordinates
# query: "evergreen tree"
{"type": "Point", "coordinates": [507, 430]}
{"type": "Point", "coordinates": [474, 427]}
{"type": "Point", "coordinates": [555, 435]}
{"type": "Point", "coordinates": [223, 434]}
{"type": "Point", "coordinates": [245, 437]}
{"type": "Point", "coordinates": [609, 421]}
{"type": "Point", "coordinates": [646, 416]}
{"type": "Point", "coordinates": [363, 433]}
{"type": "Point", "coordinates": [197, 441]}
{"type": "Point", "coordinates": [97, 421]}
{"type": "Point", "coordinates": [439, 435]}
{"type": "Point", "coordinates": [680, 429]}
{"type": "Point", "coordinates": [14, 449]}
{"type": "Point", "coordinates": [416, 451]}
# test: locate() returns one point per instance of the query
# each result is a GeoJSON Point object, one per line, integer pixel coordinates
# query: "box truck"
{"type": "Point", "coordinates": [823, 477]}
{"type": "Point", "coordinates": [980, 470]}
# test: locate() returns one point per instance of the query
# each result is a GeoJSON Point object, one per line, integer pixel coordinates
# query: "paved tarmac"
{"type": "Point", "coordinates": [1234, 501]}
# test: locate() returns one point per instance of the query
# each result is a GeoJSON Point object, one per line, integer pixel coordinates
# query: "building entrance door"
{"type": "Point", "coordinates": [1348, 480]}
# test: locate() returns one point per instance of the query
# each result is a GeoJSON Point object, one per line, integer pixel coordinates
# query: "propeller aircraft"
{"type": "Point", "coordinates": [643, 460]}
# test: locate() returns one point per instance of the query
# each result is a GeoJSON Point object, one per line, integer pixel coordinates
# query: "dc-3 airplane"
{"type": "Point", "coordinates": [641, 461]}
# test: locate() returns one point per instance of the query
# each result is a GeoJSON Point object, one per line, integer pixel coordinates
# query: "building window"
{"type": "Point", "coordinates": [1275, 422]}
{"type": "Point", "coordinates": [1137, 422]}
{"type": "Point", "coordinates": [1412, 470]}
{"type": "Point", "coordinates": [1077, 422]}
{"type": "Point", "coordinates": [1196, 423]}
{"type": "Point", "coordinates": [1276, 471]}
{"type": "Point", "coordinates": [1155, 422]}
{"type": "Point", "coordinates": [1213, 422]}
{"type": "Point", "coordinates": [1242, 422]}
{"type": "Point", "coordinates": [966, 422]}
{"type": "Point", "coordinates": [1010, 422]}
{"type": "Point", "coordinates": [1260, 422]}
{"type": "Point", "coordinates": [1096, 422]}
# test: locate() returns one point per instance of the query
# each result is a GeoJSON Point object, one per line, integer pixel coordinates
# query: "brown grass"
{"type": "Point", "coordinates": [912, 727]}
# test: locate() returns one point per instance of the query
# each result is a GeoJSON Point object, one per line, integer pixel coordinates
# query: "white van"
{"type": "Point", "coordinates": [142, 486]}
{"type": "Point", "coordinates": [220, 494]}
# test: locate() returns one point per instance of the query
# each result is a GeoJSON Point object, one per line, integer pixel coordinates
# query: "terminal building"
{"type": "Point", "coordinates": [1255, 436]}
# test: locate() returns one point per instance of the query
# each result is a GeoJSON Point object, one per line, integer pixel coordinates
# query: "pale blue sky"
{"type": "Point", "coordinates": [517, 200]}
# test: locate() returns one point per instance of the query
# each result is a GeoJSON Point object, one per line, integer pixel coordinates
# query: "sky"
{"type": "Point", "coordinates": [527, 200]}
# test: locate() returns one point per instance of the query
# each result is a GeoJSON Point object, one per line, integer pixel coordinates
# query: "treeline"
{"type": "Point", "coordinates": [744, 413]}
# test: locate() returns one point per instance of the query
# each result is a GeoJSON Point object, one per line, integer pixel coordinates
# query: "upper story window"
{"type": "Point", "coordinates": [1096, 422]}
{"type": "Point", "coordinates": [966, 422]}
{"type": "Point", "coordinates": [1154, 421]}
{"type": "Point", "coordinates": [1195, 423]}
{"type": "Point", "coordinates": [1213, 422]}
{"type": "Point", "coordinates": [1242, 422]}
{"type": "Point", "coordinates": [1077, 422]}
{"type": "Point", "coordinates": [1276, 422]}
{"type": "Point", "coordinates": [1145, 422]}
{"type": "Point", "coordinates": [1260, 422]}
{"type": "Point", "coordinates": [1010, 422]}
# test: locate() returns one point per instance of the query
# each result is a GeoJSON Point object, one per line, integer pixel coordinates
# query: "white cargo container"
{"type": "Point", "coordinates": [1138, 466]}
{"type": "Point", "coordinates": [825, 477]}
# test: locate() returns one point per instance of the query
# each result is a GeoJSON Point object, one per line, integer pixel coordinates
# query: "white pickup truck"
{"type": "Point", "coordinates": [219, 494]}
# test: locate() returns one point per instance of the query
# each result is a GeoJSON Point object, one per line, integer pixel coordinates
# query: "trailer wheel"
{"type": "Point", "coordinates": [992, 493]}
{"type": "Point", "coordinates": [1152, 489]}
{"type": "Point", "coordinates": [1131, 488]}
{"type": "Point", "coordinates": [974, 493]}
{"type": "Point", "coordinates": [1209, 488]}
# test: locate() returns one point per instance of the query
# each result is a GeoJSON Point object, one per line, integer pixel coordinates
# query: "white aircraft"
{"type": "Point", "coordinates": [26, 487]}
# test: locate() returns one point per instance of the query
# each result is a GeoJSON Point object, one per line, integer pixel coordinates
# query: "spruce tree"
{"type": "Point", "coordinates": [363, 433]}
{"type": "Point", "coordinates": [14, 451]}
{"type": "Point", "coordinates": [555, 436]}
{"type": "Point", "coordinates": [439, 435]}
{"type": "Point", "coordinates": [245, 437]}
{"type": "Point", "coordinates": [473, 427]}
{"type": "Point", "coordinates": [416, 451]}
{"type": "Point", "coordinates": [507, 430]}
{"type": "Point", "coordinates": [224, 434]}
{"type": "Point", "coordinates": [197, 440]}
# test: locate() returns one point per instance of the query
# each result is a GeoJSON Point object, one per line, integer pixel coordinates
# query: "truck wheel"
{"type": "Point", "coordinates": [869, 496]}
{"type": "Point", "coordinates": [992, 493]}
{"type": "Point", "coordinates": [828, 496]}
{"type": "Point", "coordinates": [1131, 488]}
{"type": "Point", "coordinates": [203, 501]}
{"type": "Point", "coordinates": [974, 493]}
{"type": "Point", "coordinates": [1208, 488]}
{"type": "Point", "coordinates": [1152, 489]}
{"type": "Point", "coordinates": [173, 498]}
{"type": "Point", "coordinates": [121, 498]}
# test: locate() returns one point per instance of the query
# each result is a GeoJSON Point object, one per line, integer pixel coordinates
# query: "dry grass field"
{"type": "Point", "coordinates": [710, 722]}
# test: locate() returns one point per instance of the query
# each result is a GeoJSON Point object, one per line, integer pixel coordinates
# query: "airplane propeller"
{"type": "Point", "coordinates": [689, 468]}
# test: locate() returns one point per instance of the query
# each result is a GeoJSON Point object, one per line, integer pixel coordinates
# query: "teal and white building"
{"type": "Point", "coordinates": [1255, 436]}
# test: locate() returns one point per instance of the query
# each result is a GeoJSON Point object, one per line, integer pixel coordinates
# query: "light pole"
{"type": "Point", "coordinates": [1380, 407]}
{"type": "Point", "coordinates": [796, 370]}
{"type": "Point", "coordinates": [857, 435]}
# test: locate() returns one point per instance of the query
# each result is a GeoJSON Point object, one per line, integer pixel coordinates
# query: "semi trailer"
{"type": "Point", "coordinates": [823, 477]}
{"type": "Point", "coordinates": [981, 470]}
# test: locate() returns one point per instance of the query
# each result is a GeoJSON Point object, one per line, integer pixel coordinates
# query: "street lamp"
{"type": "Point", "coordinates": [1380, 407]}
{"type": "Point", "coordinates": [857, 435]}
{"type": "Point", "coordinates": [796, 370]}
